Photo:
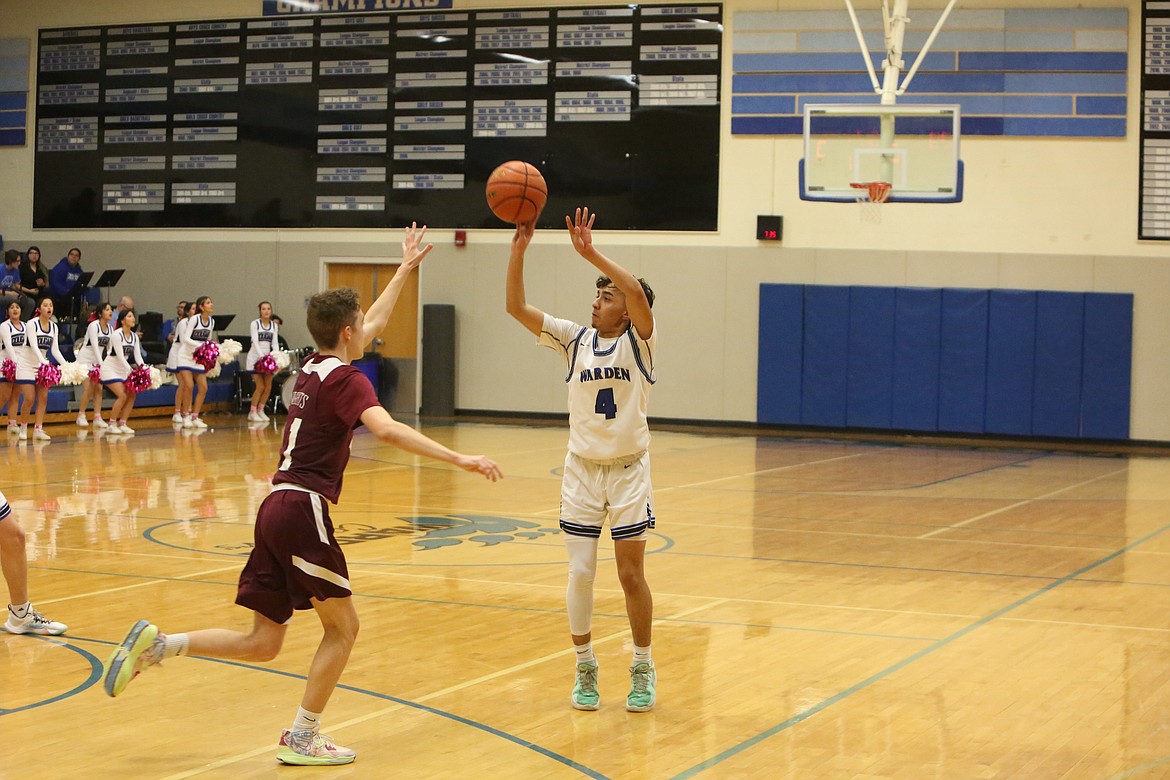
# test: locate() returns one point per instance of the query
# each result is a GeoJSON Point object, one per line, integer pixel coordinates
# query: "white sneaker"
{"type": "Point", "coordinates": [261, 416]}
{"type": "Point", "coordinates": [253, 417]}
{"type": "Point", "coordinates": [40, 435]}
{"type": "Point", "coordinates": [100, 423]}
{"type": "Point", "coordinates": [177, 417]}
{"type": "Point", "coordinates": [197, 423]}
{"type": "Point", "coordinates": [13, 428]}
{"type": "Point", "coordinates": [33, 623]}
{"type": "Point", "coordinates": [23, 432]}
{"type": "Point", "coordinates": [124, 428]}
{"type": "Point", "coordinates": [188, 422]}
{"type": "Point", "coordinates": [81, 421]}
{"type": "Point", "coordinates": [309, 748]}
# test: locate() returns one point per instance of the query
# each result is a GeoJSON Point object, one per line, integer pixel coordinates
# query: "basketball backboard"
{"type": "Point", "coordinates": [913, 147]}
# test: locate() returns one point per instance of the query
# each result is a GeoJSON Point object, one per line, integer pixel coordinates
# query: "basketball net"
{"type": "Point", "coordinates": [870, 197]}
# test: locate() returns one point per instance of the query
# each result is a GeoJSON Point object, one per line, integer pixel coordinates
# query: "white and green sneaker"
{"type": "Point", "coordinates": [585, 695]}
{"type": "Point", "coordinates": [642, 680]}
{"type": "Point", "coordinates": [142, 648]}
{"type": "Point", "coordinates": [310, 748]}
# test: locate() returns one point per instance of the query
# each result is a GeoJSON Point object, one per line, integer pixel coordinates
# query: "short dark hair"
{"type": "Point", "coordinates": [329, 312]}
{"type": "Point", "coordinates": [11, 256]}
{"type": "Point", "coordinates": [605, 281]}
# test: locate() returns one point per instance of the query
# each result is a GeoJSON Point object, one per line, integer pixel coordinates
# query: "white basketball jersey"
{"type": "Point", "coordinates": [609, 386]}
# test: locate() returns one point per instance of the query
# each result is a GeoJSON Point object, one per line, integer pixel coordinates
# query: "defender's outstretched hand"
{"type": "Point", "coordinates": [581, 230]}
{"type": "Point", "coordinates": [412, 254]}
{"type": "Point", "coordinates": [480, 464]}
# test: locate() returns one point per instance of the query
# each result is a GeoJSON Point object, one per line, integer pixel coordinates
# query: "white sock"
{"type": "Point", "coordinates": [585, 653]}
{"type": "Point", "coordinates": [642, 655]}
{"type": "Point", "coordinates": [174, 645]}
{"type": "Point", "coordinates": [21, 612]}
{"type": "Point", "coordinates": [306, 721]}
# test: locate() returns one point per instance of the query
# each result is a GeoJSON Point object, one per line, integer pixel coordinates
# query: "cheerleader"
{"type": "Point", "coordinates": [92, 353]}
{"type": "Point", "coordinates": [22, 350]}
{"type": "Point", "coordinates": [173, 355]}
{"type": "Point", "coordinates": [7, 396]}
{"type": "Point", "coordinates": [192, 376]}
{"type": "Point", "coordinates": [43, 331]}
{"type": "Point", "coordinates": [264, 341]}
{"type": "Point", "coordinates": [124, 345]}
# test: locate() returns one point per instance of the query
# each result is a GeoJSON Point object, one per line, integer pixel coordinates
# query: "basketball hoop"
{"type": "Point", "coordinates": [870, 197]}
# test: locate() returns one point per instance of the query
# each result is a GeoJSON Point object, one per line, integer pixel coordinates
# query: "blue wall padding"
{"type": "Point", "coordinates": [1011, 355]}
{"type": "Point", "coordinates": [781, 353]}
{"type": "Point", "coordinates": [1008, 362]}
{"type": "Point", "coordinates": [916, 358]}
{"type": "Point", "coordinates": [870, 357]}
{"type": "Point", "coordinates": [826, 342]}
{"type": "Point", "coordinates": [1056, 397]}
{"type": "Point", "coordinates": [1108, 359]}
{"type": "Point", "coordinates": [962, 373]}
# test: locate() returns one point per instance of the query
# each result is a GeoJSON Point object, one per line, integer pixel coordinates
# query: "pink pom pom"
{"type": "Point", "coordinates": [139, 380]}
{"type": "Point", "coordinates": [8, 368]}
{"type": "Point", "coordinates": [266, 365]}
{"type": "Point", "coordinates": [48, 375]}
{"type": "Point", "coordinates": [206, 354]}
{"type": "Point", "coordinates": [95, 374]}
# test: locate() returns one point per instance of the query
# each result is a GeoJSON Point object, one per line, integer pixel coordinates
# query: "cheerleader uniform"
{"type": "Point", "coordinates": [96, 344]}
{"type": "Point", "coordinates": [176, 346]}
{"type": "Point", "coordinates": [197, 331]}
{"type": "Point", "coordinates": [116, 367]}
{"type": "Point", "coordinates": [46, 339]}
{"type": "Point", "coordinates": [263, 343]}
{"type": "Point", "coordinates": [12, 343]}
{"type": "Point", "coordinates": [21, 348]}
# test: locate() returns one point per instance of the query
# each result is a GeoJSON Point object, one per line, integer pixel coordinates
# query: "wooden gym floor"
{"type": "Point", "coordinates": [824, 609]}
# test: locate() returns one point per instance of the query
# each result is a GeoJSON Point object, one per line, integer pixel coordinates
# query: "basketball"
{"type": "Point", "coordinates": [516, 192]}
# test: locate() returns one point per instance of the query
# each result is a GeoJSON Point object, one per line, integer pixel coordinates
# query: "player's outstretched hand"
{"type": "Point", "coordinates": [522, 236]}
{"type": "Point", "coordinates": [412, 251]}
{"type": "Point", "coordinates": [581, 230]}
{"type": "Point", "coordinates": [480, 464]}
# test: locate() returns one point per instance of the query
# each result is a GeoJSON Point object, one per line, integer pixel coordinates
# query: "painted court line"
{"type": "Point", "coordinates": [1018, 504]}
{"type": "Point", "coordinates": [228, 761]}
{"type": "Point", "coordinates": [873, 679]}
{"type": "Point", "coordinates": [145, 584]}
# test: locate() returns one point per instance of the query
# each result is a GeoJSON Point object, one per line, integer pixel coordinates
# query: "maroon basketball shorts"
{"type": "Point", "coordinates": [295, 557]}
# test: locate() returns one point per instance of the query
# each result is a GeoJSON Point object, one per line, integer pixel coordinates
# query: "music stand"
{"type": "Point", "coordinates": [110, 278]}
{"type": "Point", "coordinates": [84, 280]}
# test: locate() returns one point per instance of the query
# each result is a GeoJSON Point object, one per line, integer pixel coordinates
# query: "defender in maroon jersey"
{"type": "Point", "coordinates": [296, 562]}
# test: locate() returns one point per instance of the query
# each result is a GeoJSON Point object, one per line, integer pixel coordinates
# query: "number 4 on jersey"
{"type": "Point", "coordinates": [605, 403]}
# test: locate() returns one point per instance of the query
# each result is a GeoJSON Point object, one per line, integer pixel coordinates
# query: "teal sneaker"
{"type": "Point", "coordinates": [141, 648]}
{"type": "Point", "coordinates": [585, 695]}
{"type": "Point", "coordinates": [309, 748]}
{"type": "Point", "coordinates": [642, 680]}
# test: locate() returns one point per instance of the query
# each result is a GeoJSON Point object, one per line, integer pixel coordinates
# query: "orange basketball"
{"type": "Point", "coordinates": [516, 192]}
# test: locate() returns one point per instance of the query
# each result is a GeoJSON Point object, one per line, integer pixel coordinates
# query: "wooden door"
{"type": "Point", "coordinates": [400, 339]}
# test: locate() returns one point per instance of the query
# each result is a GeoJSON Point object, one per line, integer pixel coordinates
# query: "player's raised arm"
{"type": "Point", "coordinates": [637, 304]}
{"type": "Point", "coordinates": [413, 252]}
{"type": "Point", "coordinates": [528, 316]}
{"type": "Point", "coordinates": [389, 430]}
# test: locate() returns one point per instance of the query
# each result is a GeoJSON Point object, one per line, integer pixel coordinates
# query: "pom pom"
{"type": "Point", "coordinates": [283, 361]}
{"type": "Point", "coordinates": [157, 379]}
{"type": "Point", "coordinates": [206, 354]}
{"type": "Point", "coordinates": [213, 372]}
{"type": "Point", "coordinates": [95, 373]}
{"type": "Point", "coordinates": [139, 380]}
{"type": "Point", "coordinates": [74, 373]}
{"type": "Point", "coordinates": [228, 350]}
{"type": "Point", "coordinates": [266, 365]}
{"type": "Point", "coordinates": [48, 375]}
{"type": "Point", "coordinates": [9, 370]}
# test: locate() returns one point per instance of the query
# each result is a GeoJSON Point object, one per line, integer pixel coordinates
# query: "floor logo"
{"type": "Point", "coordinates": [437, 532]}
